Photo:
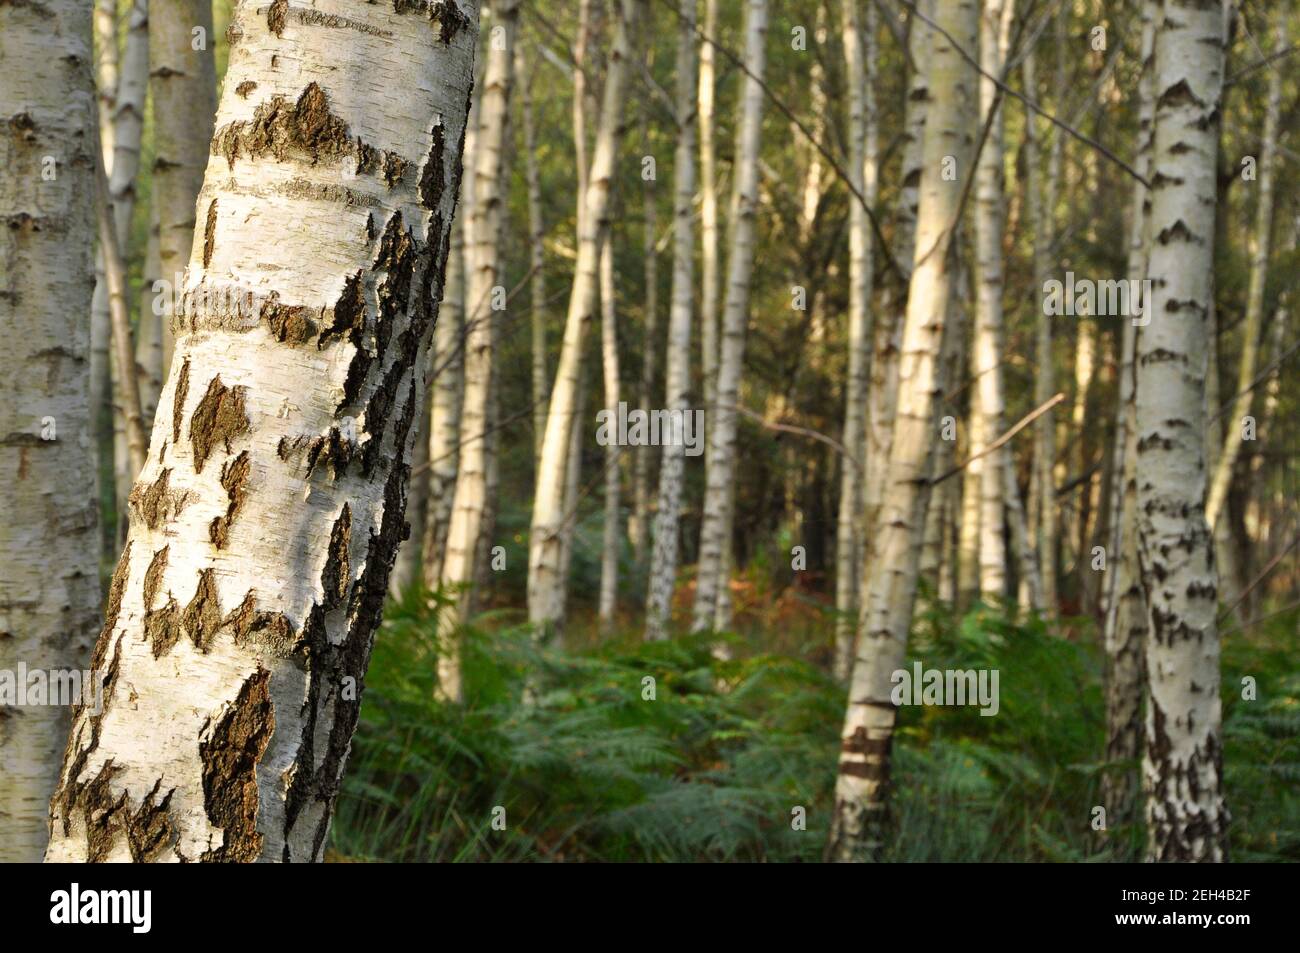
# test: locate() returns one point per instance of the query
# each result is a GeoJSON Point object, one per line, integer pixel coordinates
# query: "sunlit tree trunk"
{"type": "Point", "coordinates": [49, 514]}
{"type": "Point", "coordinates": [859, 41]}
{"type": "Point", "coordinates": [710, 233]}
{"type": "Point", "coordinates": [243, 609]}
{"type": "Point", "coordinates": [866, 741]}
{"type": "Point", "coordinates": [720, 490]}
{"type": "Point", "coordinates": [1183, 764]}
{"type": "Point", "coordinates": [642, 485]}
{"type": "Point", "coordinates": [106, 78]}
{"type": "Point", "coordinates": [536, 251]}
{"type": "Point", "coordinates": [677, 371]}
{"type": "Point", "coordinates": [546, 582]}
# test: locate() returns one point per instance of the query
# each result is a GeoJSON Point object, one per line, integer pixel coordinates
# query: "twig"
{"type": "Point", "coordinates": [1024, 422]}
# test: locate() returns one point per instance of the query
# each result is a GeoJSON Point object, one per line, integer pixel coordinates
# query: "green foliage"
{"type": "Point", "coordinates": [712, 768]}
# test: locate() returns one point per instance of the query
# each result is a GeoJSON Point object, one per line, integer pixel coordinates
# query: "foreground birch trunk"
{"type": "Point", "coordinates": [861, 787]}
{"type": "Point", "coordinates": [860, 70]}
{"type": "Point", "coordinates": [720, 490]}
{"type": "Point", "coordinates": [546, 543]}
{"type": "Point", "coordinates": [49, 514]}
{"type": "Point", "coordinates": [265, 523]}
{"type": "Point", "coordinates": [710, 234]}
{"type": "Point", "coordinates": [482, 291]}
{"type": "Point", "coordinates": [677, 388]}
{"type": "Point", "coordinates": [1183, 764]}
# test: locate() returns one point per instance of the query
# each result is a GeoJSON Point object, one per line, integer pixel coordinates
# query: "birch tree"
{"type": "Point", "coordinates": [546, 582]}
{"type": "Point", "coordinates": [677, 388]}
{"type": "Point", "coordinates": [243, 610]}
{"type": "Point", "coordinates": [859, 41]}
{"type": "Point", "coordinates": [710, 234]}
{"type": "Point", "coordinates": [720, 491]}
{"type": "Point", "coordinates": [49, 513]}
{"type": "Point", "coordinates": [890, 589]}
{"type": "Point", "coordinates": [484, 296]}
{"type": "Point", "coordinates": [1182, 767]}
{"type": "Point", "coordinates": [612, 536]}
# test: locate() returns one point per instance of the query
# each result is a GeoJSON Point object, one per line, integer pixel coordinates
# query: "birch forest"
{"type": "Point", "coordinates": [649, 430]}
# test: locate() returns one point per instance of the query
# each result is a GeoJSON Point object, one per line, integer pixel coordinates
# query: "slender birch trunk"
{"type": "Point", "coordinates": [484, 297]}
{"type": "Point", "coordinates": [856, 826]}
{"type": "Point", "coordinates": [1040, 221]}
{"type": "Point", "coordinates": [1183, 764]}
{"type": "Point", "coordinates": [1126, 608]}
{"type": "Point", "coordinates": [612, 537]}
{"type": "Point", "coordinates": [546, 582]}
{"type": "Point", "coordinates": [642, 485]}
{"type": "Point", "coordinates": [710, 233]}
{"type": "Point", "coordinates": [988, 343]}
{"type": "Point", "coordinates": [183, 84]}
{"type": "Point", "coordinates": [536, 251]}
{"type": "Point", "coordinates": [677, 371]}
{"type": "Point", "coordinates": [49, 513]}
{"type": "Point", "coordinates": [888, 343]}
{"type": "Point", "coordinates": [968, 529]}
{"type": "Point", "coordinates": [860, 74]}
{"type": "Point", "coordinates": [243, 609]}
{"type": "Point", "coordinates": [720, 490]}
{"type": "Point", "coordinates": [149, 333]}
{"type": "Point", "coordinates": [106, 77]}
{"type": "Point", "coordinates": [1261, 243]}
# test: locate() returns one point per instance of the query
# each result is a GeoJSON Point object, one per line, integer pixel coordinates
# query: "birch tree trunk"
{"type": "Point", "coordinates": [546, 582]}
{"type": "Point", "coordinates": [482, 283]}
{"type": "Point", "coordinates": [1261, 243]}
{"type": "Point", "coordinates": [106, 75]}
{"type": "Point", "coordinates": [148, 339]}
{"type": "Point", "coordinates": [710, 234]}
{"type": "Point", "coordinates": [536, 252]}
{"type": "Point", "coordinates": [445, 359]}
{"type": "Point", "coordinates": [677, 371]}
{"type": "Point", "coordinates": [1126, 608]}
{"type": "Point", "coordinates": [642, 487]}
{"type": "Point", "coordinates": [1040, 222]}
{"type": "Point", "coordinates": [612, 537]}
{"type": "Point", "coordinates": [860, 790]}
{"type": "Point", "coordinates": [860, 74]}
{"type": "Point", "coordinates": [720, 490]}
{"type": "Point", "coordinates": [49, 513]}
{"type": "Point", "coordinates": [183, 84]}
{"type": "Point", "coordinates": [243, 609]}
{"type": "Point", "coordinates": [988, 344]}
{"type": "Point", "coordinates": [1186, 816]}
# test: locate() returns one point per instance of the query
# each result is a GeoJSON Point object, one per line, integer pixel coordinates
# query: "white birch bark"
{"type": "Point", "coordinates": [710, 233]}
{"type": "Point", "coordinates": [1182, 768]}
{"type": "Point", "coordinates": [859, 39]}
{"type": "Point", "coordinates": [536, 252]}
{"type": "Point", "coordinates": [677, 370]}
{"type": "Point", "coordinates": [869, 721]}
{"type": "Point", "coordinates": [720, 491]}
{"type": "Point", "coordinates": [106, 73]}
{"type": "Point", "coordinates": [546, 581]}
{"type": "Point", "coordinates": [265, 523]}
{"type": "Point", "coordinates": [49, 513]}
{"type": "Point", "coordinates": [642, 484]}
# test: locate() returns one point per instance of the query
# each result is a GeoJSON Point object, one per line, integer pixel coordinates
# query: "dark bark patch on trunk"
{"type": "Point", "coordinates": [433, 178]}
{"type": "Point", "coordinates": [449, 18]}
{"type": "Point", "coordinates": [332, 450]}
{"type": "Point", "coordinates": [148, 831]}
{"type": "Point", "coordinates": [116, 589]}
{"type": "Point", "coordinates": [153, 576]}
{"type": "Point", "coordinates": [210, 233]}
{"type": "Point", "coordinates": [230, 756]}
{"type": "Point", "coordinates": [335, 575]}
{"type": "Point", "coordinates": [178, 400]}
{"type": "Point", "coordinates": [270, 630]}
{"type": "Point", "coordinates": [234, 480]}
{"type": "Point", "coordinates": [290, 324]}
{"type": "Point", "coordinates": [394, 169]}
{"type": "Point", "coordinates": [276, 15]}
{"type": "Point", "coordinates": [162, 628]}
{"type": "Point", "coordinates": [202, 618]}
{"type": "Point", "coordinates": [244, 88]}
{"type": "Point", "coordinates": [151, 502]}
{"type": "Point", "coordinates": [219, 417]}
